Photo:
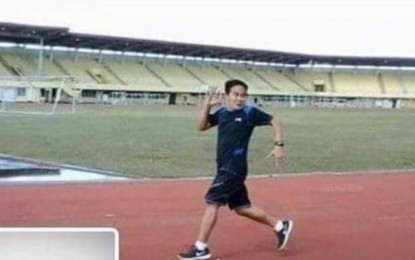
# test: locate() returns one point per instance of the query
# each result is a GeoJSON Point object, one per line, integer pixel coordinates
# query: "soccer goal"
{"type": "Point", "coordinates": [40, 95]}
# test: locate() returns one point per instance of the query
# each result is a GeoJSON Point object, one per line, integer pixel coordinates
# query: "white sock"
{"type": "Point", "coordinates": [279, 226]}
{"type": "Point", "coordinates": [200, 245]}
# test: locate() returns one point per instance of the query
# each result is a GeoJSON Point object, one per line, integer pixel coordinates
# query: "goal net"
{"type": "Point", "coordinates": [38, 94]}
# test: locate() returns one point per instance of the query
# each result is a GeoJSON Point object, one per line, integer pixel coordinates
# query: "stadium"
{"type": "Point", "coordinates": [126, 108]}
{"type": "Point", "coordinates": [102, 69]}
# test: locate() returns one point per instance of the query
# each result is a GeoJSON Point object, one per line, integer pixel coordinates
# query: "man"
{"type": "Point", "coordinates": [235, 122]}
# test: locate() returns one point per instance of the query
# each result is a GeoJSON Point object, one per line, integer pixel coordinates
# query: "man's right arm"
{"type": "Point", "coordinates": [213, 99]}
{"type": "Point", "coordinates": [203, 122]}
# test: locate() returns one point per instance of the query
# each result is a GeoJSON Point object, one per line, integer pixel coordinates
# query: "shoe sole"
{"type": "Point", "coordinates": [287, 236]}
{"type": "Point", "coordinates": [196, 258]}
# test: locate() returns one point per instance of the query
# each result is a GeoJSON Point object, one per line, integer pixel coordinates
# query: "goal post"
{"type": "Point", "coordinates": [43, 95]}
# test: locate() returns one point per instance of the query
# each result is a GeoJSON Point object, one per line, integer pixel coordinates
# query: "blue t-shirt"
{"type": "Point", "coordinates": [234, 132]}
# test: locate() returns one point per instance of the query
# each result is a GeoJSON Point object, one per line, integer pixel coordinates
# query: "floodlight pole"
{"type": "Point", "coordinates": [40, 60]}
{"type": "Point", "coordinates": [2, 99]}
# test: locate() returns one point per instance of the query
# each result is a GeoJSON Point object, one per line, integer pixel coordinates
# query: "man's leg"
{"type": "Point", "coordinates": [219, 191]}
{"type": "Point", "coordinates": [257, 215]}
{"type": "Point", "coordinates": [208, 222]}
{"type": "Point", "coordinates": [217, 195]}
{"type": "Point", "coordinates": [239, 201]}
{"type": "Point", "coordinates": [200, 249]}
{"type": "Point", "coordinates": [282, 228]}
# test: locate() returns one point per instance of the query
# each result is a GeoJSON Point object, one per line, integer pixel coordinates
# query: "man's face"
{"type": "Point", "coordinates": [236, 98]}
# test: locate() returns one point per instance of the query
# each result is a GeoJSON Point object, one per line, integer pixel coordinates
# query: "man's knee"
{"type": "Point", "coordinates": [244, 211]}
{"type": "Point", "coordinates": [211, 209]}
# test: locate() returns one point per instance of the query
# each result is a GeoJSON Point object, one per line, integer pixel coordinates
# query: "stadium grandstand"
{"type": "Point", "coordinates": [36, 61]}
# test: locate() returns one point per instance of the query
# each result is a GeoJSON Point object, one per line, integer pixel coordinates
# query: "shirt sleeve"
{"type": "Point", "coordinates": [213, 118]}
{"type": "Point", "coordinates": [258, 117]}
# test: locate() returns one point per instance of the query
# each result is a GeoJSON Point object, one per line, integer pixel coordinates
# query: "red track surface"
{"type": "Point", "coordinates": [362, 216]}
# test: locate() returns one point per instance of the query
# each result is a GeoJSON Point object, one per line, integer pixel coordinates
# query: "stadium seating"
{"type": "Point", "coordinates": [136, 75]}
{"type": "Point", "coordinates": [51, 69]}
{"type": "Point", "coordinates": [127, 72]}
{"type": "Point", "coordinates": [408, 82]}
{"type": "Point", "coordinates": [309, 79]}
{"type": "Point", "coordinates": [357, 83]}
{"type": "Point", "coordinates": [393, 83]}
{"type": "Point", "coordinates": [175, 77]}
{"type": "Point", "coordinates": [113, 73]}
{"type": "Point", "coordinates": [281, 82]}
{"type": "Point", "coordinates": [76, 68]}
{"type": "Point", "coordinates": [19, 64]}
{"type": "Point", "coordinates": [256, 83]}
{"type": "Point", "coordinates": [208, 74]}
{"type": "Point", "coordinates": [3, 70]}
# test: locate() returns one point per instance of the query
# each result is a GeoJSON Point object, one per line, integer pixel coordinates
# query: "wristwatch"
{"type": "Point", "coordinates": [279, 143]}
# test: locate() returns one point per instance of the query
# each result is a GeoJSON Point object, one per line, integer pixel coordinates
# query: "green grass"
{"type": "Point", "coordinates": [147, 141]}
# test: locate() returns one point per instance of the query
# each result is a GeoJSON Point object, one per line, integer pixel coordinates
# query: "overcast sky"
{"type": "Point", "coordinates": [342, 27]}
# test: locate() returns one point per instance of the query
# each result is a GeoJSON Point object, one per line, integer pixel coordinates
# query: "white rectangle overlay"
{"type": "Point", "coordinates": [59, 243]}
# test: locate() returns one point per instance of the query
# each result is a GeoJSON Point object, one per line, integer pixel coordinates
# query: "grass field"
{"type": "Point", "coordinates": [162, 141]}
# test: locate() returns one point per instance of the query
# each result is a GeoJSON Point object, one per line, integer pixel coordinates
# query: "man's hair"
{"type": "Point", "coordinates": [234, 82]}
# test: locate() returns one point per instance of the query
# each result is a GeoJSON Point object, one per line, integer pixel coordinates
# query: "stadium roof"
{"type": "Point", "coordinates": [60, 36]}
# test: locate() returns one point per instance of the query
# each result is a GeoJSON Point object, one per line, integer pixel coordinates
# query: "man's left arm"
{"type": "Point", "coordinates": [278, 150]}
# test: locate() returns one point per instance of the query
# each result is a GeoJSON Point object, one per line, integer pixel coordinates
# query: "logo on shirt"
{"type": "Point", "coordinates": [238, 119]}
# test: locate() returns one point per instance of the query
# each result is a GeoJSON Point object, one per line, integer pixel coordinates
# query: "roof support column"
{"type": "Point", "coordinates": [144, 59]}
{"type": "Point", "coordinates": [40, 58]}
{"type": "Point", "coordinates": [100, 57]}
{"type": "Point", "coordinates": [332, 80]}
{"type": "Point", "coordinates": [164, 60]}
{"type": "Point", "coordinates": [52, 53]}
{"type": "Point", "coordinates": [122, 56]}
{"type": "Point", "coordinates": [76, 54]}
{"type": "Point", "coordinates": [184, 62]}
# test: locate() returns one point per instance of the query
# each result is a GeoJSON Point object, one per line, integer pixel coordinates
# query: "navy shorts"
{"type": "Point", "coordinates": [228, 188]}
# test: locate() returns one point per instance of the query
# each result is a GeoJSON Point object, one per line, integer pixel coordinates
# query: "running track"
{"type": "Point", "coordinates": [353, 216]}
